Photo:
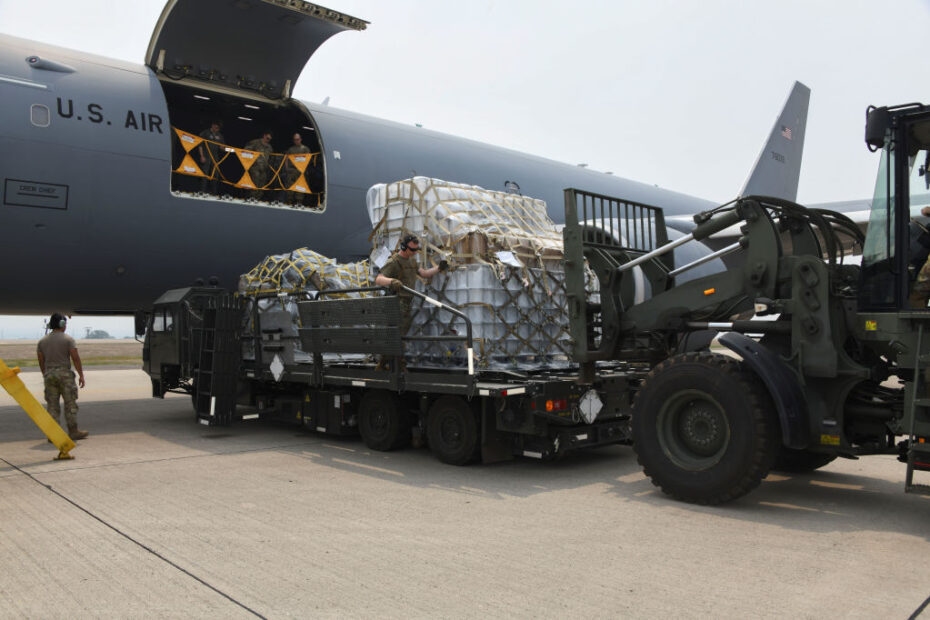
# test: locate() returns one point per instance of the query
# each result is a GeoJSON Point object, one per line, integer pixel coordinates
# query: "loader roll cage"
{"type": "Point", "coordinates": [891, 259]}
{"type": "Point", "coordinates": [636, 312]}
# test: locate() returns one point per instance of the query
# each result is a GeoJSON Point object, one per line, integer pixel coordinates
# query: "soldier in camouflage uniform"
{"type": "Point", "coordinates": [291, 173]}
{"type": "Point", "coordinates": [920, 292]}
{"type": "Point", "coordinates": [210, 153]}
{"type": "Point", "coordinates": [261, 169]}
{"type": "Point", "coordinates": [56, 351]}
{"type": "Point", "coordinates": [402, 270]}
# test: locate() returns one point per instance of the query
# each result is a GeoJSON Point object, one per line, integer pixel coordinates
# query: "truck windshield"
{"type": "Point", "coordinates": [879, 240]}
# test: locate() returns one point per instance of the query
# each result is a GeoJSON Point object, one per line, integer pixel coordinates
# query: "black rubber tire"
{"type": "Point", "coordinates": [704, 428]}
{"type": "Point", "coordinates": [382, 421]}
{"type": "Point", "coordinates": [800, 461]}
{"type": "Point", "coordinates": [452, 430]}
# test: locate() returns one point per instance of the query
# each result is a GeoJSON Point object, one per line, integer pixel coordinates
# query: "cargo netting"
{"type": "Point", "coordinates": [506, 273]}
{"type": "Point", "coordinates": [298, 274]}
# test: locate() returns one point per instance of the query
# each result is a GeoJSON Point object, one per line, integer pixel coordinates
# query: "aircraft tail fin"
{"type": "Point", "coordinates": [778, 167]}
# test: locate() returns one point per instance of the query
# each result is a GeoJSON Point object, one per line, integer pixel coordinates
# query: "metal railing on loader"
{"type": "Point", "coordinates": [604, 234]}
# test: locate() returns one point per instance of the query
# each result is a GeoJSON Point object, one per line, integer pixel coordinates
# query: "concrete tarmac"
{"type": "Point", "coordinates": [158, 516]}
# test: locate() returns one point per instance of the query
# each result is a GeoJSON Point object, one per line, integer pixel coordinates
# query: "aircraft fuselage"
{"type": "Point", "coordinates": [90, 222]}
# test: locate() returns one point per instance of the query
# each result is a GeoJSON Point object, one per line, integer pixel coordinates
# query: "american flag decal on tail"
{"type": "Point", "coordinates": [786, 131]}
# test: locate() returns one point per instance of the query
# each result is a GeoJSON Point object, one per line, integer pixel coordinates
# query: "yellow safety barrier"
{"type": "Point", "coordinates": [247, 158]}
{"type": "Point", "coordinates": [300, 161]}
{"type": "Point", "coordinates": [188, 166]}
{"type": "Point", "coordinates": [11, 382]}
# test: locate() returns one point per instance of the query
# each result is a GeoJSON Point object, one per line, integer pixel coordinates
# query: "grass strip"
{"type": "Point", "coordinates": [31, 362]}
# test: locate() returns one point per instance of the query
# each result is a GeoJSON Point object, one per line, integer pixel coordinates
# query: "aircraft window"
{"type": "Point", "coordinates": [39, 115]}
{"type": "Point", "coordinates": [162, 321]}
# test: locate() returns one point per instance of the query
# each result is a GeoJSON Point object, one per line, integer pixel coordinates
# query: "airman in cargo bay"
{"type": "Point", "coordinates": [261, 169]}
{"type": "Point", "coordinates": [56, 351]}
{"type": "Point", "coordinates": [401, 270]}
{"type": "Point", "coordinates": [210, 153]}
{"type": "Point", "coordinates": [291, 173]}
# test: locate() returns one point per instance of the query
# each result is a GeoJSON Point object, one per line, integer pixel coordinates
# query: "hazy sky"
{"type": "Point", "coordinates": [676, 93]}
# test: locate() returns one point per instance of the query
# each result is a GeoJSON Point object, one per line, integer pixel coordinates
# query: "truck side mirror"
{"type": "Point", "coordinates": [876, 126]}
{"type": "Point", "coordinates": [141, 319]}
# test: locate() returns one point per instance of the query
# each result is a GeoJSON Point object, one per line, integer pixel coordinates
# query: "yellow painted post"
{"type": "Point", "coordinates": [17, 389]}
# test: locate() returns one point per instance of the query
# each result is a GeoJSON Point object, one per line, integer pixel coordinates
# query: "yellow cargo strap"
{"type": "Point", "coordinates": [11, 382]}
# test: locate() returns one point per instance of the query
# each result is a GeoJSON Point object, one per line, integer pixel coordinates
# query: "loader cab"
{"type": "Point", "coordinates": [237, 63]}
{"type": "Point", "coordinates": [897, 242]}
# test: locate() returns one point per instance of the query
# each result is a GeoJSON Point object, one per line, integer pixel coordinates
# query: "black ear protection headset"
{"type": "Point", "coordinates": [58, 321]}
{"type": "Point", "coordinates": [406, 241]}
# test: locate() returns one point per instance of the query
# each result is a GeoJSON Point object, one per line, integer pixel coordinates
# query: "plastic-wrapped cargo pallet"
{"type": "Point", "coordinates": [507, 275]}
{"type": "Point", "coordinates": [300, 271]}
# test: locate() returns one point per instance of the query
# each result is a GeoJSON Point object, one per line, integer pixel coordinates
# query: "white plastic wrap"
{"type": "Point", "coordinates": [507, 275]}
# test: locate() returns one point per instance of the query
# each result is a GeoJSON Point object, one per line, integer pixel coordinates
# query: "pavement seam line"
{"type": "Point", "coordinates": [167, 460]}
{"type": "Point", "coordinates": [920, 609]}
{"type": "Point", "coordinates": [136, 542]}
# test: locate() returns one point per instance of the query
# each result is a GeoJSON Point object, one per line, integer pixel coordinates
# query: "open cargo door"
{"type": "Point", "coordinates": [260, 46]}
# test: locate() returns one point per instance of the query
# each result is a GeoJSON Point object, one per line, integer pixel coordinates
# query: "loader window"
{"type": "Point", "coordinates": [919, 184]}
{"type": "Point", "coordinates": [877, 289]}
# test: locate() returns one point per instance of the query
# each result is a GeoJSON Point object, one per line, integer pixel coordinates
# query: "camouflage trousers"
{"type": "Point", "coordinates": [59, 384]}
{"type": "Point", "coordinates": [260, 176]}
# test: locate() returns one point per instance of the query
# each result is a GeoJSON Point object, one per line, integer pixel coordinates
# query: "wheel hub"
{"type": "Point", "coordinates": [693, 430]}
{"type": "Point", "coordinates": [700, 427]}
{"type": "Point", "coordinates": [450, 431]}
{"type": "Point", "coordinates": [379, 421]}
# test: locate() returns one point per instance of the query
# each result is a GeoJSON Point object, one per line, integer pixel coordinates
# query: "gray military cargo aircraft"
{"type": "Point", "coordinates": [100, 213]}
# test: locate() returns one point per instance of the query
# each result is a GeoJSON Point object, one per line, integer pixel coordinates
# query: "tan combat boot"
{"type": "Point", "coordinates": [76, 434]}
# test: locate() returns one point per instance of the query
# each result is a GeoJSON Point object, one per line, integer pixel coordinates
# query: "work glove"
{"type": "Point", "coordinates": [443, 265]}
{"type": "Point", "coordinates": [395, 285]}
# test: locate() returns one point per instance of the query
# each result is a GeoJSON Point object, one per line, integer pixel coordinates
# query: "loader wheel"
{"type": "Point", "coordinates": [704, 428]}
{"type": "Point", "coordinates": [800, 461]}
{"type": "Point", "coordinates": [382, 422]}
{"type": "Point", "coordinates": [452, 430]}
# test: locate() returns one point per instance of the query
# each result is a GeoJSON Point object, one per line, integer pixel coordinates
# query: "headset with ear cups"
{"type": "Point", "coordinates": [57, 321]}
{"type": "Point", "coordinates": [406, 241]}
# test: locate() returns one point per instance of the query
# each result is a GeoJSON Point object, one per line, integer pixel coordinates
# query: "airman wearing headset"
{"type": "Point", "coordinates": [56, 351]}
{"type": "Point", "coordinates": [402, 270]}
